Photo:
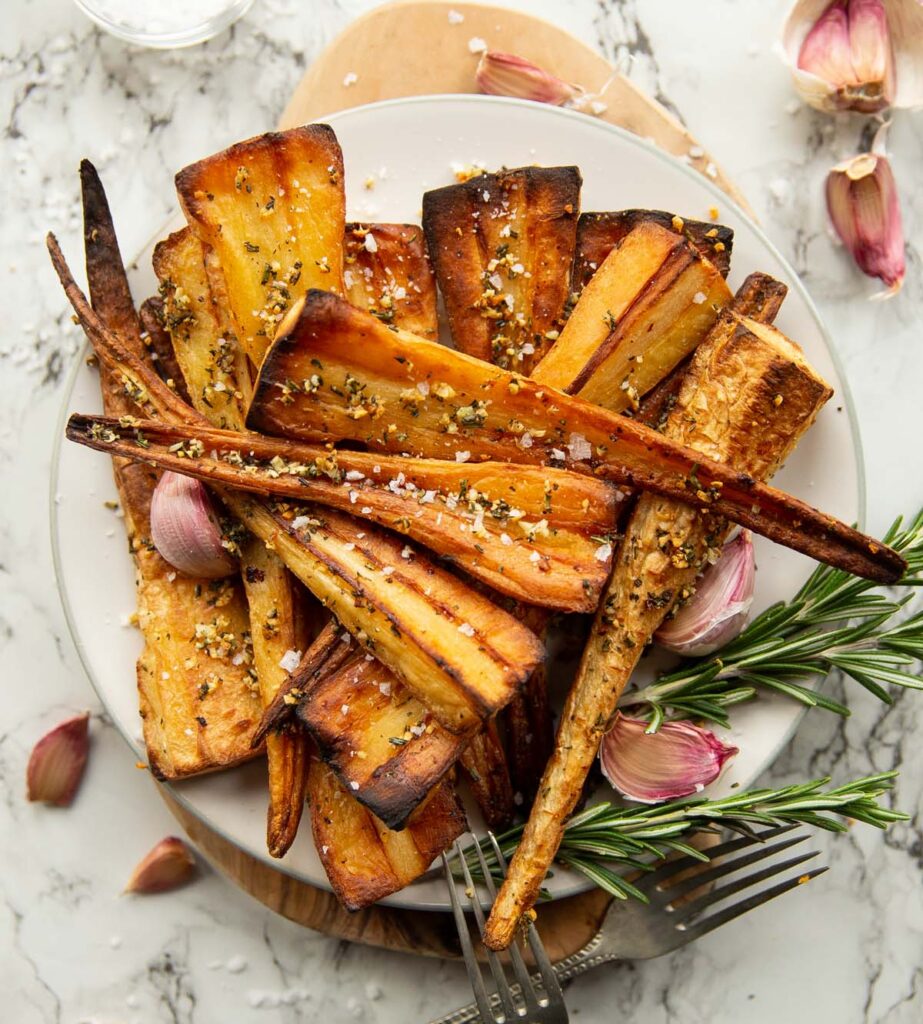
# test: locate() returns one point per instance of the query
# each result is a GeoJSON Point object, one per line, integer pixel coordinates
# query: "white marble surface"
{"type": "Point", "coordinates": [71, 949]}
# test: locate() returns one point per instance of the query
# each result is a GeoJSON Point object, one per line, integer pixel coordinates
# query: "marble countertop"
{"type": "Point", "coordinates": [72, 949]}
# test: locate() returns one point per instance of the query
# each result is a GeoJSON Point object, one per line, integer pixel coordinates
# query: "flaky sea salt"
{"type": "Point", "coordinates": [579, 447]}
{"type": "Point", "coordinates": [466, 629]}
{"type": "Point", "coordinates": [290, 660]}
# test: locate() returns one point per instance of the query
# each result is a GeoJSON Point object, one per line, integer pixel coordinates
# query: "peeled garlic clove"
{"type": "Point", "coordinates": [57, 762]}
{"type": "Point", "coordinates": [862, 55]}
{"type": "Point", "coordinates": [718, 609]}
{"type": "Point", "coordinates": [185, 529]}
{"type": "Point", "coordinates": [866, 214]}
{"type": "Point", "coordinates": [169, 864]}
{"type": "Point", "coordinates": [504, 74]}
{"type": "Point", "coordinates": [678, 760]}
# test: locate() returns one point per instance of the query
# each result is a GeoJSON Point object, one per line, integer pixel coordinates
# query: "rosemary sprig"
{"type": "Point", "coordinates": [836, 621]}
{"type": "Point", "coordinates": [606, 836]}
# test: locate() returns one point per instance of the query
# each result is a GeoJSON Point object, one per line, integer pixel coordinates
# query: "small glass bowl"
{"type": "Point", "coordinates": [145, 23]}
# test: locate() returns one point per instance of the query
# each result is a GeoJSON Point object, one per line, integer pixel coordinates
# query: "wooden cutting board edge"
{"type": "Point", "coordinates": [410, 48]}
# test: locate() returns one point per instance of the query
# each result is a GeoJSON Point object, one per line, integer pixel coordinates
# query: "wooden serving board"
{"type": "Point", "coordinates": [410, 48]}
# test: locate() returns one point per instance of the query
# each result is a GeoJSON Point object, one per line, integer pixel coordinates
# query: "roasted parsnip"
{"type": "Point", "coordinates": [528, 532]}
{"type": "Point", "coordinates": [273, 210]}
{"type": "Point", "coordinates": [197, 697]}
{"type": "Point", "coordinates": [387, 273]}
{"type": "Point", "coordinates": [748, 397]}
{"type": "Point", "coordinates": [502, 246]}
{"type": "Point", "coordinates": [653, 299]}
{"type": "Point", "coordinates": [485, 766]}
{"type": "Point", "coordinates": [599, 233]}
{"type": "Point", "coordinates": [473, 410]}
{"type": "Point", "coordinates": [363, 858]}
{"type": "Point", "coordinates": [381, 742]}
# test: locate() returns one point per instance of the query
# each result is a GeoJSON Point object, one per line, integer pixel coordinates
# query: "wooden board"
{"type": "Point", "coordinates": [409, 48]}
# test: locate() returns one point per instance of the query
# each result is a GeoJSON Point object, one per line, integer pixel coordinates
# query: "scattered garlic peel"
{"type": "Point", "coordinates": [676, 761]}
{"type": "Point", "coordinates": [168, 865]}
{"type": "Point", "coordinates": [57, 762]}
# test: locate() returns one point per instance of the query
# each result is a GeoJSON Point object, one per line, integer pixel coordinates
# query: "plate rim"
{"type": "Point", "coordinates": [399, 900]}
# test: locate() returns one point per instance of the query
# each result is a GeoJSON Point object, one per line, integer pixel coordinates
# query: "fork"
{"type": "Point", "coordinates": [631, 930]}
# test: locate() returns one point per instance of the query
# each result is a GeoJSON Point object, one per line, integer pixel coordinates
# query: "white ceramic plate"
{"type": "Point", "coordinates": [409, 146]}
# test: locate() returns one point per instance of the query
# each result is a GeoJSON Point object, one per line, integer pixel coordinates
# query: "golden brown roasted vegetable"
{"type": "Point", "coordinates": [502, 246]}
{"type": "Point", "coordinates": [599, 233]}
{"type": "Point", "coordinates": [426, 625]}
{"type": "Point", "coordinates": [160, 346]}
{"type": "Point", "coordinates": [273, 210]}
{"type": "Point", "coordinates": [485, 766]}
{"type": "Point", "coordinates": [211, 361]}
{"type": "Point", "coordinates": [274, 628]}
{"type": "Point", "coordinates": [363, 858]}
{"type": "Point", "coordinates": [644, 310]}
{"type": "Point", "coordinates": [474, 410]}
{"type": "Point", "coordinates": [526, 531]}
{"type": "Point", "coordinates": [387, 273]}
{"type": "Point", "coordinates": [459, 654]}
{"type": "Point", "coordinates": [747, 399]}
{"type": "Point", "coordinates": [381, 742]}
{"type": "Point", "coordinates": [197, 698]}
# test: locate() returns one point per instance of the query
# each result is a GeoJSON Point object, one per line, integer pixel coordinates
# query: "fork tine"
{"type": "Point", "coordinates": [471, 964]}
{"type": "Point", "coordinates": [549, 979]}
{"type": "Point", "coordinates": [674, 867]}
{"type": "Point", "coordinates": [493, 961]}
{"type": "Point", "coordinates": [701, 878]}
{"type": "Point", "coordinates": [757, 899]}
{"type": "Point", "coordinates": [721, 892]}
{"type": "Point", "coordinates": [519, 965]}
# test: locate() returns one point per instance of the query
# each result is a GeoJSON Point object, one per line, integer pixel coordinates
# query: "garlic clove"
{"type": "Point", "coordinates": [168, 865]}
{"type": "Point", "coordinates": [865, 212]}
{"type": "Point", "coordinates": [862, 55]}
{"type": "Point", "coordinates": [717, 611]}
{"type": "Point", "coordinates": [678, 760]}
{"type": "Point", "coordinates": [505, 74]}
{"type": "Point", "coordinates": [57, 762]}
{"type": "Point", "coordinates": [185, 529]}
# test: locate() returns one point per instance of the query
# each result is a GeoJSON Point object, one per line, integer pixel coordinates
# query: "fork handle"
{"type": "Point", "coordinates": [577, 963]}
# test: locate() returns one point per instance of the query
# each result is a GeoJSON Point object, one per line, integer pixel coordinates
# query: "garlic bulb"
{"type": "Point", "coordinates": [862, 55]}
{"type": "Point", "coordinates": [865, 212]}
{"type": "Point", "coordinates": [57, 762]}
{"type": "Point", "coordinates": [185, 529]}
{"type": "Point", "coordinates": [505, 74]}
{"type": "Point", "coordinates": [717, 611]}
{"type": "Point", "coordinates": [168, 865]}
{"type": "Point", "coordinates": [678, 760]}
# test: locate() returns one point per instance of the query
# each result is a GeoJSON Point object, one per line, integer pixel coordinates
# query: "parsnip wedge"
{"type": "Point", "coordinates": [387, 273]}
{"type": "Point", "coordinates": [599, 233]}
{"type": "Point", "coordinates": [363, 858]}
{"type": "Point", "coordinates": [197, 698]}
{"type": "Point", "coordinates": [211, 361]}
{"type": "Point", "coordinates": [473, 410]}
{"type": "Point", "coordinates": [381, 742]}
{"type": "Point", "coordinates": [644, 310]}
{"type": "Point", "coordinates": [273, 210]}
{"type": "Point", "coordinates": [459, 654]}
{"type": "Point", "coordinates": [727, 409]}
{"type": "Point", "coordinates": [274, 628]}
{"type": "Point", "coordinates": [528, 532]}
{"type": "Point", "coordinates": [502, 246]}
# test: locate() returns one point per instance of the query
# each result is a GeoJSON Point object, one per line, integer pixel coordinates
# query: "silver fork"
{"type": "Point", "coordinates": [631, 930]}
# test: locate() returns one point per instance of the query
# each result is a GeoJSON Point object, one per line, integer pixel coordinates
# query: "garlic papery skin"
{"type": "Point", "coordinates": [718, 609]}
{"type": "Point", "coordinates": [861, 55]}
{"type": "Point", "coordinates": [185, 529]}
{"type": "Point", "coordinates": [505, 74]}
{"type": "Point", "coordinates": [57, 762]}
{"type": "Point", "coordinates": [168, 865]}
{"type": "Point", "coordinates": [678, 760]}
{"type": "Point", "coordinates": [865, 212]}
